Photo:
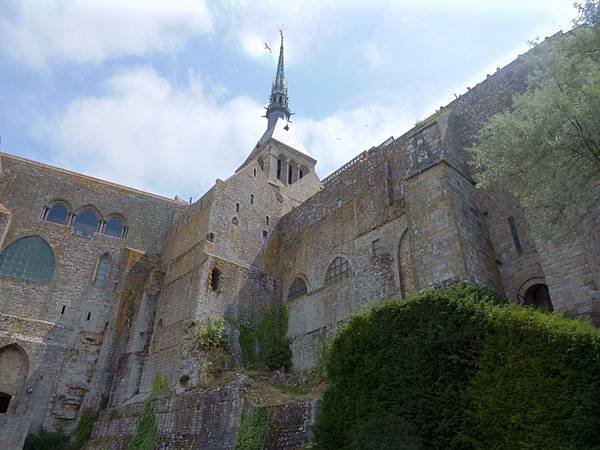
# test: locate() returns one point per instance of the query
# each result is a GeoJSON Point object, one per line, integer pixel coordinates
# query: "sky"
{"type": "Point", "coordinates": [167, 95]}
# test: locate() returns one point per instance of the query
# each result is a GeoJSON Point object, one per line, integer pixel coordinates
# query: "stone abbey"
{"type": "Point", "coordinates": [99, 282]}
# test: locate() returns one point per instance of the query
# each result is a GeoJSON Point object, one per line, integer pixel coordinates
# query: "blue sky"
{"type": "Point", "coordinates": [166, 95]}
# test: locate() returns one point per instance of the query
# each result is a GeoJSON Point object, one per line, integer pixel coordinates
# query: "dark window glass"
{"type": "Point", "coordinates": [28, 258]}
{"type": "Point", "coordinates": [114, 227]}
{"type": "Point", "coordinates": [86, 223]}
{"type": "Point", "coordinates": [102, 270]}
{"type": "Point", "coordinates": [279, 169]}
{"type": "Point", "coordinates": [290, 171]}
{"type": "Point", "coordinates": [58, 214]}
{"type": "Point", "coordinates": [215, 279]}
{"type": "Point", "coordinates": [337, 271]}
{"type": "Point", "coordinates": [297, 289]}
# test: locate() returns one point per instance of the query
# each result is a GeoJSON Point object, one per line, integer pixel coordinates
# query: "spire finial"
{"type": "Point", "coordinates": [278, 104]}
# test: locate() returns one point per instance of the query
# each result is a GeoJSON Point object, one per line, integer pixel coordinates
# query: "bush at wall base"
{"type": "Point", "coordinates": [455, 369]}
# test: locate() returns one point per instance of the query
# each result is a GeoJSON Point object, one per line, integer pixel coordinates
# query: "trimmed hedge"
{"type": "Point", "coordinates": [457, 369]}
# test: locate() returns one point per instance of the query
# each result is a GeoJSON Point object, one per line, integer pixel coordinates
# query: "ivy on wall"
{"type": "Point", "coordinates": [253, 429]}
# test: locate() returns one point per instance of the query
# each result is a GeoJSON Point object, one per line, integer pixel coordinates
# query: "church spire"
{"type": "Point", "coordinates": [278, 104]}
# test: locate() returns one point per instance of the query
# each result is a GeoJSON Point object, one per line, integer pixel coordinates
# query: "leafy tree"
{"type": "Point", "coordinates": [546, 150]}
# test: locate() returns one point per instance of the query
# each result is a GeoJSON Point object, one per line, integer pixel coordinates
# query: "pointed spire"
{"type": "Point", "coordinates": [278, 104]}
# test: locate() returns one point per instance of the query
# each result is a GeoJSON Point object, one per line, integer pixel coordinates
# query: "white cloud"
{"type": "Point", "coordinates": [335, 139]}
{"type": "Point", "coordinates": [372, 54]}
{"type": "Point", "coordinates": [41, 31]}
{"type": "Point", "coordinates": [145, 133]}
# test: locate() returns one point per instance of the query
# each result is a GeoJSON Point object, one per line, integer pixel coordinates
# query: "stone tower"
{"type": "Point", "coordinates": [280, 154]}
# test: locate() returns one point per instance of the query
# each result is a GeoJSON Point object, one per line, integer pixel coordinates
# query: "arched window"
{"type": "Point", "coordinates": [102, 270]}
{"type": "Point", "coordinates": [337, 271]}
{"type": "Point", "coordinates": [28, 258]}
{"type": "Point", "coordinates": [297, 289]}
{"type": "Point", "coordinates": [115, 227]}
{"type": "Point", "coordinates": [14, 367]}
{"type": "Point", "coordinates": [57, 214]}
{"type": "Point", "coordinates": [86, 223]}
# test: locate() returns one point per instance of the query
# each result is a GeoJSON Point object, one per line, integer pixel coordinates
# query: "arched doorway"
{"type": "Point", "coordinates": [14, 366]}
{"type": "Point", "coordinates": [538, 295]}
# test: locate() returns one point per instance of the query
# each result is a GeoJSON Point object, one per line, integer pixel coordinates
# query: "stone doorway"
{"type": "Point", "coordinates": [538, 295]}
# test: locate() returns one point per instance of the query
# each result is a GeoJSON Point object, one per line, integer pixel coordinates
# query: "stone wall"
{"type": "Point", "coordinates": [67, 357]}
{"type": "Point", "coordinates": [206, 420]}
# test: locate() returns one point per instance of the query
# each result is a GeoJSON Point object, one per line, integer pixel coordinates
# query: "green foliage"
{"type": "Point", "coordinates": [46, 440]}
{"type": "Point", "coordinates": [266, 344]}
{"type": "Point", "coordinates": [82, 432]}
{"type": "Point", "coordinates": [160, 383]}
{"type": "Point", "coordinates": [212, 335]}
{"type": "Point", "coordinates": [145, 435]}
{"type": "Point", "coordinates": [253, 429]}
{"type": "Point", "coordinates": [113, 415]}
{"type": "Point", "coordinates": [318, 375]}
{"type": "Point", "coordinates": [217, 362]}
{"type": "Point", "coordinates": [546, 150]}
{"type": "Point", "coordinates": [457, 368]}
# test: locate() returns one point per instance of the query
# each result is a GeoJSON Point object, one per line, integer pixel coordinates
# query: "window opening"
{"type": "Point", "coordinates": [102, 270]}
{"type": "Point", "coordinates": [237, 207]}
{"type": "Point", "coordinates": [290, 171]}
{"type": "Point", "coordinates": [57, 214]}
{"type": "Point", "coordinates": [4, 402]}
{"type": "Point", "coordinates": [515, 235]}
{"type": "Point", "coordinates": [86, 223]}
{"type": "Point", "coordinates": [267, 220]}
{"type": "Point", "coordinates": [88, 316]}
{"type": "Point", "coordinates": [279, 169]}
{"type": "Point", "coordinates": [265, 237]}
{"type": "Point", "coordinates": [297, 289]}
{"type": "Point", "coordinates": [301, 174]}
{"type": "Point", "coordinates": [210, 237]}
{"type": "Point", "coordinates": [28, 258]}
{"type": "Point", "coordinates": [115, 227]}
{"type": "Point", "coordinates": [252, 199]}
{"type": "Point", "coordinates": [254, 172]}
{"type": "Point", "coordinates": [215, 279]}
{"type": "Point", "coordinates": [375, 247]}
{"type": "Point", "coordinates": [62, 310]}
{"type": "Point", "coordinates": [337, 271]}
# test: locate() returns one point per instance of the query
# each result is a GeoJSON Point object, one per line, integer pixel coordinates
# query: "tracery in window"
{"type": "Point", "coordinates": [115, 227]}
{"type": "Point", "coordinates": [28, 258]}
{"type": "Point", "coordinates": [297, 289]}
{"type": "Point", "coordinates": [102, 270]}
{"type": "Point", "coordinates": [337, 271]}
{"type": "Point", "coordinates": [57, 214]}
{"type": "Point", "coordinates": [86, 223]}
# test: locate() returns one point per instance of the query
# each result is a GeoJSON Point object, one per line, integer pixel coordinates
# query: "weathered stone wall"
{"type": "Point", "coordinates": [204, 420]}
{"type": "Point", "coordinates": [66, 354]}
{"type": "Point", "coordinates": [356, 208]}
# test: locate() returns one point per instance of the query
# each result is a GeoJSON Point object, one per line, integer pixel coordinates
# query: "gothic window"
{"type": "Point", "coordinates": [297, 289]}
{"type": "Point", "coordinates": [86, 223]}
{"type": "Point", "coordinates": [215, 279]}
{"type": "Point", "coordinates": [28, 258]}
{"type": "Point", "coordinates": [57, 214]}
{"type": "Point", "coordinates": [115, 227]}
{"type": "Point", "coordinates": [102, 270]}
{"type": "Point", "coordinates": [337, 271]}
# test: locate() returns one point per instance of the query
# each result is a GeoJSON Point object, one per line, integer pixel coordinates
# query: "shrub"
{"type": "Point", "coordinates": [253, 429]}
{"type": "Point", "coordinates": [265, 344]}
{"type": "Point", "coordinates": [212, 335]}
{"type": "Point", "coordinates": [46, 440]}
{"type": "Point", "coordinates": [457, 369]}
{"type": "Point", "coordinates": [82, 432]}
{"type": "Point", "coordinates": [160, 383]}
{"type": "Point", "coordinates": [217, 362]}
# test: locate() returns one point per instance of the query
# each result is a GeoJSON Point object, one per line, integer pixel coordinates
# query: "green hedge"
{"type": "Point", "coordinates": [457, 369]}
